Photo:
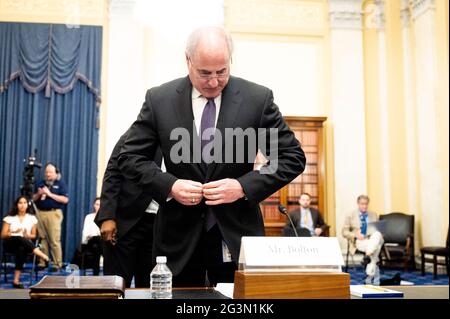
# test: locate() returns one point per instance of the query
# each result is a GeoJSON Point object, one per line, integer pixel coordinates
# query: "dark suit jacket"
{"type": "Point", "coordinates": [316, 219]}
{"type": "Point", "coordinates": [122, 199]}
{"type": "Point", "coordinates": [178, 227]}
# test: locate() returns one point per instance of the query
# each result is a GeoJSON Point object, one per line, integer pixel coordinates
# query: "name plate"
{"type": "Point", "coordinates": [308, 254]}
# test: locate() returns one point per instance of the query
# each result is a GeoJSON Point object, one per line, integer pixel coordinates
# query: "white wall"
{"type": "Point", "coordinates": [291, 68]}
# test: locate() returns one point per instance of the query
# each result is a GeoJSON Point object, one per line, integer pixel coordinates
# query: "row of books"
{"type": "Point", "coordinates": [311, 158]}
{"type": "Point", "coordinates": [306, 178]}
{"type": "Point", "coordinates": [270, 212]}
{"type": "Point", "coordinates": [274, 197]}
{"type": "Point", "coordinates": [307, 137]}
{"type": "Point", "coordinates": [310, 169]}
{"type": "Point", "coordinates": [294, 190]}
{"type": "Point", "coordinates": [309, 149]}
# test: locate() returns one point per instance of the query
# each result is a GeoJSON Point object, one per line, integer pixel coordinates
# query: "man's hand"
{"type": "Point", "coordinates": [223, 191]}
{"type": "Point", "coordinates": [46, 191]}
{"type": "Point", "coordinates": [359, 235]}
{"type": "Point", "coordinates": [109, 231]}
{"type": "Point", "coordinates": [318, 231]}
{"type": "Point", "coordinates": [187, 192]}
{"type": "Point", "coordinates": [38, 194]}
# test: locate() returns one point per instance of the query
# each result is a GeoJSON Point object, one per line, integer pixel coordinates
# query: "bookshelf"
{"type": "Point", "coordinates": [309, 131]}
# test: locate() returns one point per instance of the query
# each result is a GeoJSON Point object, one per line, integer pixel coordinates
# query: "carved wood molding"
{"type": "Point", "coordinates": [419, 7]}
{"type": "Point", "coordinates": [63, 11]}
{"type": "Point", "coordinates": [345, 14]}
{"type": "Point", "coordinates": [275, 16]}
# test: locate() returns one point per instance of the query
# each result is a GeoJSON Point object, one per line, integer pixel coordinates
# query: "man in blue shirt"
{"type": "Point", "coordinates": [50, 198]}
{"type": "Point", "coordinates": [306, 217]}
{"type": "Point", "coordinates": [363, 236]}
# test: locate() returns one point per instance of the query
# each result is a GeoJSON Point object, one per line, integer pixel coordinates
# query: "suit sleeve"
{"type": "Point", "coordinates": [347, 230]}
{"type": "Point", "coordinates": [136, 159]}
{"type": "Point", "coordinates": [320, 222]}
{"type": "Point", "coordinates": [111, 185]}
{"type": "Point", "coordinates": [294, 218]}
{"type": "Point", "coordinates": [278, 172]}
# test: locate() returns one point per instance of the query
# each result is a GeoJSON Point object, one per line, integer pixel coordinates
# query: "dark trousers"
{"type": "Point", "coordinates": [20, 247]}
{"type": "Point", "coordinates": [91, 252]}
{"type": "Point", "coordinates": [206, 266]}
{"type": "Point", "coordinates": [132, 254]}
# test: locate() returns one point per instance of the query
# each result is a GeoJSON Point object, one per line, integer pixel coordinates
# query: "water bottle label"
{"type": "Point", "coordinates": [226, 255]}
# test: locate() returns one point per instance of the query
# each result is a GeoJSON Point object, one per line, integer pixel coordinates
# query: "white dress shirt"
{"type": "Point", "coordinates": [306, 220]}
{"type": "Point", "coordinates": [90, 229]}
{"type": "Point", "coordinates": [199, 103]}
{"type": "Point", "coordinates": [153, 207]}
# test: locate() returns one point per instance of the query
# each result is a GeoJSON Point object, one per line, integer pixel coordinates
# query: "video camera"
{"type": "Point", "coordinates": [27, 188]}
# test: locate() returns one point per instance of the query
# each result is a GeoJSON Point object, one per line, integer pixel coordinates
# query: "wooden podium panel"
{"type": "Point", "coordinates": [289, 285]}
{"type": "Point", "coordinates": [85, 287]}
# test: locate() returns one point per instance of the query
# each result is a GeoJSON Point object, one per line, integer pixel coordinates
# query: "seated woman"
{"type": "Point", "coordinates": [18, 231]}
{"type": "Point", "coordinates": [91, 240]}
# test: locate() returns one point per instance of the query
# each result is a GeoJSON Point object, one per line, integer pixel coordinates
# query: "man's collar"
{"type": "Point", "coordinates": [195, 93]}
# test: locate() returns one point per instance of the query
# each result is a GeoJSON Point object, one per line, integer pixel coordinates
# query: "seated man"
{"type": "Point", "coordinates": [358, 229]}
{"type": "Point", "coordinates": [307, 218]}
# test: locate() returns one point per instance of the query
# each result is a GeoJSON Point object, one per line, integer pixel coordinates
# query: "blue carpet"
{"type": "Point", "coordinates": [25, 277]}
{"type": "Point", "coordinates": [357, 276]}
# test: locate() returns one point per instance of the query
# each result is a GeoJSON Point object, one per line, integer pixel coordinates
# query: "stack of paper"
{"type": "Point", "coordinates": [369, 291]}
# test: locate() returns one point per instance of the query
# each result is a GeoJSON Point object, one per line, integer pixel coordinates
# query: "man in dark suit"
{"type": "Point", "coordinates": [206, 205]}
{"type": "Point", "coordinates": [306, 219]}
{"type": "Point", "coordinates": [126, 217]}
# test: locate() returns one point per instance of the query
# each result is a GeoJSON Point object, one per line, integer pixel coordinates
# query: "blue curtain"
{"type": "Point", "coordinates": [49, 101]}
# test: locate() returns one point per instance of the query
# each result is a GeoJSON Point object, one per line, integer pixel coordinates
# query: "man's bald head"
{"type": "Point", "coordinates": [208, 56]}
{"type": "Point", "coordinates": [209, 40]}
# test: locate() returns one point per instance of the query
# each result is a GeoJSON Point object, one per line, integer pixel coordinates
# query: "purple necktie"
{"type": "Point", "coordinates": [208, 121]}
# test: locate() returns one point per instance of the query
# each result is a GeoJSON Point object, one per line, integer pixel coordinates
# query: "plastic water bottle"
{"type": "Point", "coordinates": [161, 280]}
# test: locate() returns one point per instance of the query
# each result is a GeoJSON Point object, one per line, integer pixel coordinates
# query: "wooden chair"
{"type": "Point", "coordinates": [435, 252]}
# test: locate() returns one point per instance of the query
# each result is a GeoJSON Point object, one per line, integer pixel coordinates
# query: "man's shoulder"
{"type": "Point", "coordinates": [372, 214]}
{"type": "Point", "coordinates": [61, 186]}
{"type": "Point", "coordinates": [59, 182]}
{"type": "Point", "coordinates": [236, 83]}
{"type": "Point", "coordinates": [169, 87]}
{"type": "Point", "coordinates": [353, 213]}
{"type": "Point", "coordinates": [248, 86]}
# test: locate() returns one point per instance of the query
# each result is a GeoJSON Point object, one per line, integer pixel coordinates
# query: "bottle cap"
{"type": "Point", "coordinates": [161, 259]}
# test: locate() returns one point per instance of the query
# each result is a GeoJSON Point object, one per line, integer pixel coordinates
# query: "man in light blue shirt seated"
{"type": "Point", "coordinates": [359, 229]}
{"type": "Point", "coordinates": [306, 217]}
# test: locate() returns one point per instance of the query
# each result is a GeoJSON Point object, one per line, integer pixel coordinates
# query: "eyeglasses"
{"type": "Point", "coordinates": [207, 76]}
